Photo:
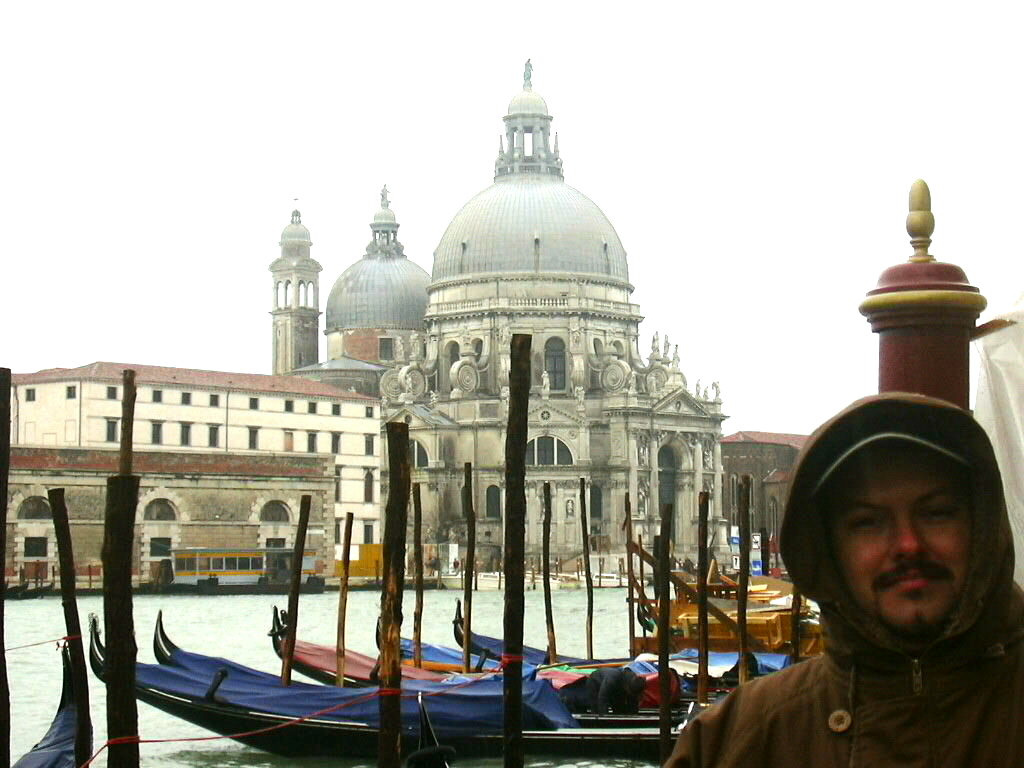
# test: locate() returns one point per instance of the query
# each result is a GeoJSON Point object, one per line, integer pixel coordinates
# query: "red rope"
{"type": "Point", "coordinates": [510, 658]}
{"type": "Point", "coordinates": [57, 640]}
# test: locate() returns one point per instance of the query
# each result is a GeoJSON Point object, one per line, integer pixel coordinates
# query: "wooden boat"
{"type": "Point", "coordinates": [769, 618]}
{"type": "Point", "coordinates": [57, 748]}
{"type": "Point", "coordinates": [253, 707]}
{"type": "Point", "coordinates": [15, 591]}
{"type": "Point", "coordinates": [320, 662]}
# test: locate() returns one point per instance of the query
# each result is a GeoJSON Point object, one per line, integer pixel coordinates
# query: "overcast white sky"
{"type": "Point", "coordinates": [755, 159]}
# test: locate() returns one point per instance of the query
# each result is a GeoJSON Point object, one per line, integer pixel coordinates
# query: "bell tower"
{"type": "Point", "coordinates": [296, 301]}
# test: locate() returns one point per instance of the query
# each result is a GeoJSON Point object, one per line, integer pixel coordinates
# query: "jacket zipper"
{"type": "Point", "coordinates": [915, 665]}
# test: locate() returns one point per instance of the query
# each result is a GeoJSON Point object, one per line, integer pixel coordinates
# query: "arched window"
{"type": "Point", "coordinates": [35, 508]}
{"type": "Point", "coordinates": [159, 509]}
{"type": "Point", "coordinates": [596, 503]}
{"type": "Point", "coordinates": [274, 512]}
{"type": "Point", "coordinates": [279, 295]}
{"type": "Point", "coordinates": [419, 454]}
{"type": "Point", "coordinates": [287, 293]}
{"type": "Point", "coordinates": [554, 362]}
{"type": "Point", "coordinates": [453, 353]}
{"type": "Point", "coordinates": [368, 486]}
{"type": "Point", "coordinates": [478, 347]}
{"type": "Point", "coordinates": [492, 510]}
{"type": "Point", "coordinates": [547, 451]}
{"type": "Point", "coordinates": [302, 293]}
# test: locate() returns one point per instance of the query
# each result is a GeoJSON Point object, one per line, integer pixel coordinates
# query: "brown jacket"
{"type": "Point", "coordinates": [869, 701]}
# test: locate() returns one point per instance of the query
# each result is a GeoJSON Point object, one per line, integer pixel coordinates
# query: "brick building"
{"type": "Point", "coordinates": [768, 457]}
{"type": "Point", "coordinates": [224, 460]}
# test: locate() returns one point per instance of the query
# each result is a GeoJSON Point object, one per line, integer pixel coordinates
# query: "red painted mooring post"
{"type": "Point", "coordinates": [924, 312]}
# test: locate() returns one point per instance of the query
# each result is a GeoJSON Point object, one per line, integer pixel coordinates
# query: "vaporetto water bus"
{"type": "Point", "coordinates": [217, 570]}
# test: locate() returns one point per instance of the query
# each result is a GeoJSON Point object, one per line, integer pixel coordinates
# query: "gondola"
{"type": "Point", "coordinates": [320, 662]}
{"type": "Point", "coordinates": [495, 647]}
{"type": "Point", "coordinates": [243, 703]}
{"type": "Point", "coordinates": [15, 591]}
{"type": "Point", "coordinates": [57, 748]}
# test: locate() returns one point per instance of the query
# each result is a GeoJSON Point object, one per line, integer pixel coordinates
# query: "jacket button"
{"type": "Point", "coordinates": [839, 721]}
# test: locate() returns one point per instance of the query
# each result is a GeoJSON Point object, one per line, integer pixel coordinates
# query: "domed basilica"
{"type": "Point", "coordinates": [529, 254]}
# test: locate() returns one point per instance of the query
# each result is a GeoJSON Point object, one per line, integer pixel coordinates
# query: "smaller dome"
{"type": "Point", "coordinates": [384, 216]}
{"type": "Point", "coordinates": [527, 102]}
{"type": "Point", "coordinates": [296, 231]}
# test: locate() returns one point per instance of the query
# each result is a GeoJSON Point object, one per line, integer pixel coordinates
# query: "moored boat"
{"type": "Point", "coordinates": [304, 719]}
{"type": "Point", "coordinates": [57, 747]}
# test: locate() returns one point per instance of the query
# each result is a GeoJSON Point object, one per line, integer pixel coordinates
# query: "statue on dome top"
{"type": "Point", "coordinates": [528, 75]}
{"type": "Point", "coordinates": [384, 202]}
{"type": "Point", "coordinates": [296, 217]}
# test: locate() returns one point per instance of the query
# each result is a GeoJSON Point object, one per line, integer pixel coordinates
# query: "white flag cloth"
{"type": "Point", "coordinates": [999, 408]}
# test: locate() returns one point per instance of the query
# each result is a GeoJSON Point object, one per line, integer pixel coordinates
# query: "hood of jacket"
{"type": "Point", "coordinates": [990, 605]}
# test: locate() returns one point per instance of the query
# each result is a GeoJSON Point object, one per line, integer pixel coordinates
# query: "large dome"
{"type": "Point", "coordinates": [378, 293]}
{"type": "Point", "coordinates": [530, 223]}
{"type": "Point", "coordinates": [383, 289]}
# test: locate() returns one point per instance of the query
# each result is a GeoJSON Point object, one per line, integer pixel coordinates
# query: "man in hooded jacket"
{"type": "Point", "coordinates": [924, 664]}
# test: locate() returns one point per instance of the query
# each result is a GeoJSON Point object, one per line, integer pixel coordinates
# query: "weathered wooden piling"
{"type": "Point", "coordinates": [5, 467]}
{"type": "Point", "coordinates": [794, 626]}
{"type": "Point", "coordinates": [515, 546]}
{"type": "Point", "coordinates": [640, 548]}
{"type": "Point", "coordinates": [549, 616]}
{"type": "Point", "coordinates": [305, 504]}
{"type": "Point", "coordinates": [346, 562]}
{"type": "Point", "coordinates": [661, 575]}
{"type": "Point", "coordinates": [741, 594]}
{"type": "Point", "coordinates": [118, 536]}
{"type": "Point", "coordinates": [395, 520]}
{"type": "Point", "coordinates": [703, 505]}
{"type": "Point", "coordinates": [586, 567]}
{"type": "Point", "coordinates": [467, 566]}
{"type": "Point", "coordinates": [73, 627]}
{"type": "Point", "coordinates": [627, 524]}
{"type": "Point", "coordinates": [417, 564]}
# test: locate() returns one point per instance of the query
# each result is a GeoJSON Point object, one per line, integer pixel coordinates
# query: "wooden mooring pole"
{"type": "Point", "coordinates": [549, 616]}
{"type": "Point", "coordinates": [664, 632]}
{"type": "Point", "coordinates": [627, 524]}
{"type": "Point", "coordinates": [703, 508]}
{"type": "Point", "coordinates": [794, 627]}
{"type": "Point", "coordinates": [467, 566]}
{"type": "Point", "coordinates": [5, 467]}
{"type": "Point", "coordinates": [417, 562]}
{"type": "Point", "coordinates": [515, 546]}
{"type": "Point", "coordinates": [586, 568]}
{"type": "Point", "coordinates": [73, 627]}
{"type": "Point", "coordinates": [389, 744]}
{"type": "Point", "coordinates": [346, 564]}
{"type": "Point", "coordinates": [305, 504]}
{"type": "Point", "coordinates": [744, 585]}
{"type": "Point", "coordinates": [118, 619]}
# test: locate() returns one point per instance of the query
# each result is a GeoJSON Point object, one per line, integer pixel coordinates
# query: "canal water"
{"type": "Point", "coordinates": [236, 627]}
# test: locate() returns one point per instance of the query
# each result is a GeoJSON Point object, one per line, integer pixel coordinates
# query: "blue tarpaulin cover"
{"type": "Point", "coordinates": [454, 709]}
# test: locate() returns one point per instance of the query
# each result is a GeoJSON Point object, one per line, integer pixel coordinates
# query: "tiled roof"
{"type": "Point", "coordinates": [773, 438]}
{"type": "Point", "coordinates": [190, 377]}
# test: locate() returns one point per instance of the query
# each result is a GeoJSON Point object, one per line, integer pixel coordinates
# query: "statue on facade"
{"type": "Point", "coordinates": [570, 507]}
{"type": "Point", "coordinates": [384, 202]}
{"type": "Point", "coordinates": [642, 450]}
{"type": "Point", "coordinates": [675, 357]}
{"type": "Point", "coordinates": [665, 353]}
{"type": "Point", "coordinates": [545, 385]}
{"type": "Point", "coordinates": [654, 345]}
{"type": "Point", "coordinates": [580, 396]}
{"type": "Point", "coordinates": [528, 75]}
{"type": "Point", "coordinates": [718, 391]}
{"type": "Point", "coordinates": [696, 389]}
{"type": "Point", "coordinates": [399, 348]}
{"type": "Point", "coordinates": [434, 398]}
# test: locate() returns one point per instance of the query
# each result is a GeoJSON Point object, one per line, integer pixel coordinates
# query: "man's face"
{"type": "Point", "coordinates": [901, 527]}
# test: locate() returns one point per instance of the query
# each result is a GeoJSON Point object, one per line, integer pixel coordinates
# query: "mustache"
{"type": "Point", "coordinates": [925, 568]}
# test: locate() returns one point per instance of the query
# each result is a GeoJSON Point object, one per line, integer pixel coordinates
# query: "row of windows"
{"type": "Point", "coordinates": [213, 437]}
{"type": "Point", "coordinates": [367, 532]}
{"type": "Point", "coordinates": [71, 393]}
{"type": "Point", "coordinates": [160, 510]}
